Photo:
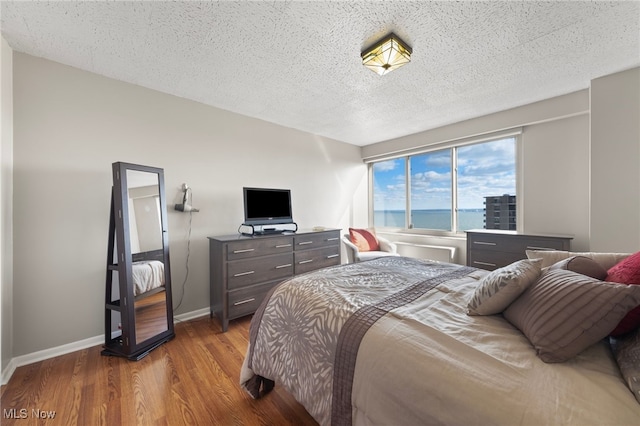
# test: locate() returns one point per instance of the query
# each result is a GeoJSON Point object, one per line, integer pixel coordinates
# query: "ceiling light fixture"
{"type": "Point", "coordinates": [386, 55]}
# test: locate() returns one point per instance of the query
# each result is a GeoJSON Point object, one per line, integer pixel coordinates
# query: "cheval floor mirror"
{"type": "Point", "coordinates": [138, 303]}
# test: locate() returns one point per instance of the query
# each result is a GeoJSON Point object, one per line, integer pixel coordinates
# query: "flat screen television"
{"type": "Point", "coordinates": [264, 206]}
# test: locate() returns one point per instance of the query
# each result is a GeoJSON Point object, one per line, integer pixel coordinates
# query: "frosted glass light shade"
{"type": "Point", "coordinates": [386, 55]}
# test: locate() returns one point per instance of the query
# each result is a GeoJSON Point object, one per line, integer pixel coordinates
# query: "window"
{"type": "Point", "coordinates": [389, 193]}
{"type": "Point", "coordinates": [486, 173]}
{"type": "Point", "coordinates": [431, 190]}
{"type": "Point", "coordinates": [461, 187]}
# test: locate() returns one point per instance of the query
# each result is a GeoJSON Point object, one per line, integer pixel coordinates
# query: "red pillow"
{"type": "Point", "coordinates": [364, 239]}
{"type": "Point", "coordinates": [627, 271]}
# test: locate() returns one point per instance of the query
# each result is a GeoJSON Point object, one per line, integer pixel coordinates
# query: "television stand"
{"type": "Point", "coordinates": [266, 231]}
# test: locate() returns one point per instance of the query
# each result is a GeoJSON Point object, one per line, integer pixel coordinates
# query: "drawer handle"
{"type": "Point", "coordinates": [484, 263]}
{"type": "Point", "coordinates": [539, 248]}
{"type": "Point", "coordinates": [484, 243]}
{"type": "Point", "coordinates": [283, 266]}
{"type": "Point", "coordinates": [332, 239]}
{"type": "Point", "coordinates": [283, 245]}
{"type": "Point", "coordinates": [242, 302]}
{"type": "Point", "coordinates": [242, 251]}
{"type": "Point", "coordinates": [244, 273]}
{"type": "Point", "coordinates": [304, 243]}
{"type": "Point", "coordinates": [305, 261]}
{"type": "Point", "coordinates": [331, 256]}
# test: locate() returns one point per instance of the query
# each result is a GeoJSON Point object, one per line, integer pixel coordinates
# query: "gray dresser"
{"type": "Point", "coordinates": [242, 269]}
{"type": "Point", "coordinates": [492, 249]}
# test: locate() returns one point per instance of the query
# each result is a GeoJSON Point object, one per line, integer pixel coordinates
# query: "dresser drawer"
{"type": "Point", "coordinates": [539, 243]}
{"type": "Point", "coordinates": [491, 260]}
{"type": "Point", "coordinates": [315, 240]}
{"type": "Point", "coordinates": [246, 272]}
{"type": "Point", "coordinates": [515, 243]}
{"type": "Point", "coordinates": [308, 260]}
{"type": "Point", "coordinates": [492, 250]}
{"type": "Point", "coordinates": [259, 247]}
{"type": "Point", "coordinates": [246, 300]}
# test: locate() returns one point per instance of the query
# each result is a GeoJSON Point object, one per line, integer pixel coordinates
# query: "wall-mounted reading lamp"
{"type": "Point", "coordinates": [186, 196]}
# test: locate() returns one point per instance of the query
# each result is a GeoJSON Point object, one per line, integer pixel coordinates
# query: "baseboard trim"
{"type": "Point", "coordinates": [8, 371]}
{"type": "Point", "coordinates": [26, 359]}
{"type": "Point", "coordinates": [192, 315]}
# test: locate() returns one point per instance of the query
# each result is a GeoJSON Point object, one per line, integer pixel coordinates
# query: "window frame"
{"type": "Point", "coordinates": [453, 145]}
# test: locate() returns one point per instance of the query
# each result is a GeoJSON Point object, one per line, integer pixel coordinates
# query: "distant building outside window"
{"type": "Point", "coordinates": [500, 212]}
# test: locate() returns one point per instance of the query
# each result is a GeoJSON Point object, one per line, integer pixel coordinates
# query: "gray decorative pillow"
{"type": "Point", "coordinates": [626, 350]}
{"type": "Point", "coordinates": [564, 312]}
{"type": "Point", "coordinates": [582, 265]}
{"type": "Point", "coordinates": [549, 257]}
{"type": "Point", "coordinates": [501, 287]}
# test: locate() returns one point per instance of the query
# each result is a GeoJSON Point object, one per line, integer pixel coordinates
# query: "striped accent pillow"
{"type": "Point", "coordinates": [364, 239]}
{"type": "Point", "coordinates": [564, 312]}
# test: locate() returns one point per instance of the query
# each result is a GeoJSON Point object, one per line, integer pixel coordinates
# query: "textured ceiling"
{"type": "Point", "coordinates": [298, 64]}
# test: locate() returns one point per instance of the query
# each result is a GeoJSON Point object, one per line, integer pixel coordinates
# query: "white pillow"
{"type": "Point", "coordinates": [549, 257]}
{"type": "Point", "coordinates": [499, 288]}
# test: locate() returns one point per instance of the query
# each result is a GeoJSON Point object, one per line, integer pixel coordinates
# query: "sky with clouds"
{"type": "Point", "coordinates": [485, 169]}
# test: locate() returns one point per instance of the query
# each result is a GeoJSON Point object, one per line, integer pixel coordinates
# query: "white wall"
{"type": "Point", "coordinates": [615, 157]}
{"type": "Point", "coordinates": [556, 179]}
{"type": "Point", "coordinates": [539, 112]}
{"type": "Point", "coordinates": [70, 125]}
{"type": "Point", "coordinates": [6, 214]}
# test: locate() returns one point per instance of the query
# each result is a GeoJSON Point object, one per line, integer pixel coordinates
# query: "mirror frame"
{"type": "Point", "coordinates": [128, 345]}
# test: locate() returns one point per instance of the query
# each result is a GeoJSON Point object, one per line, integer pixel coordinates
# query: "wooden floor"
{"type": "Point", "coordinates": [151, 316]}
{"type": "Point", "coordinates": [193, 379]}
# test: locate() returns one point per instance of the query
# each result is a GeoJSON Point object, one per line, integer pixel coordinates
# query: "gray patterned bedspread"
{"type": "Point", "coordinates": [314, 322]}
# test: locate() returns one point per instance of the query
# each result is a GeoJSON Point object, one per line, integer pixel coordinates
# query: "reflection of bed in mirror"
{"type": "Point", "coordinates": [147, 271]}
{"type": "Point", "coordinates": [149, 294]}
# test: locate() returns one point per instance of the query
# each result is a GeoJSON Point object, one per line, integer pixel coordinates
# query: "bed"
{"type": "Point", "coordinates": [391, 341]}
{"type": "Point", "coordinates": [147, 272]}
{"type": "Point", "coordinates": [147, 275]}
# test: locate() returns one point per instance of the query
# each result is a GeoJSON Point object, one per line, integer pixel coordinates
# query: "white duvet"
{"type": "Point", "coordinates": [147, 275]}
{"type": "Point", "coordinates": [437, 365]}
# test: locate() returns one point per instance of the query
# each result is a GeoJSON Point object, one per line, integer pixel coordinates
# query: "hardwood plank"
{"type": "Point", "coordinates": [190, 380]}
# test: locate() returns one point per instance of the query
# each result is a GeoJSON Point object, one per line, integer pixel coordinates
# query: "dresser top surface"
{"type": "Point", "coordinates": [516, 233]}
{"type": "Point", "coordinates": [243, 237]}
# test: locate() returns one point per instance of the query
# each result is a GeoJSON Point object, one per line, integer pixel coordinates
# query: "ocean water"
{"type": "Point", "coordinates": [431, 219]}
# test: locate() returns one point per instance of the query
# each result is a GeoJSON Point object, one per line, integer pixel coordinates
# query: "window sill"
{"type": "Point", "coordinates": [422, 233]}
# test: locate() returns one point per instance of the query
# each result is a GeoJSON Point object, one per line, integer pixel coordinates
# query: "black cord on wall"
{"type": "Point", "coordinates": [186, 276]}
